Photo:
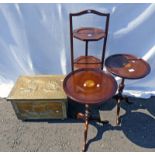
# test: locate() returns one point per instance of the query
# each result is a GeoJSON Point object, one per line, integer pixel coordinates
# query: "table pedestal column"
{"type": "Point", "coordinates": [87, 117]}
{"type": "Point", "coordinates": [120, 97]}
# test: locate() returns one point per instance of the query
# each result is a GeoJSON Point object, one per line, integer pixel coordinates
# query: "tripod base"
{"type": "Point", "coordinates": [88, 117]}
{"type": "Point", "coordinates": [118, 99]}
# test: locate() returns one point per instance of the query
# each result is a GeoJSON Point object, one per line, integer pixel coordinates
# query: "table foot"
{"type": "Point", "coordinates": [85, 134]}
{"type": "Point", "coordinates": [118, 111]}
{"type": "Point", "coordinates": [127, 100]}
{"type": "Point", "coordinates": [84, 148]}
{"type": "Point", "coordinates": [80, 116]}
{"type": "Point", "coordinates": [97, 119]}
{"type": "Point", "coordinates": [118, 121]}
{"type": "Point", "coordinates": [105, 122]}
{"type": "Point", "coordinates": [87, 117]}
{"type": "Point", "coordinates": [119, 98]}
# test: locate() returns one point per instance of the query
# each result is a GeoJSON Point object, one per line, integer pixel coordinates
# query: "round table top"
{"type": "Point", "coordinates": [89, 33]}
{"type": "Point", "coordinates": [89, 86]}
{"type": "Point", "coordinates": [127, 66]}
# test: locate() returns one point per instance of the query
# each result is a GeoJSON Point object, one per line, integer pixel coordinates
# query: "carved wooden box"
{"type": "Point", "coordinates": [39, 97]}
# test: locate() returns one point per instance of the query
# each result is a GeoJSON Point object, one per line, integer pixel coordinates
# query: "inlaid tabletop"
{"type": "Point", "coordinates": [127, 66]}
{"type": "Point", "coordinates": [89, 86]}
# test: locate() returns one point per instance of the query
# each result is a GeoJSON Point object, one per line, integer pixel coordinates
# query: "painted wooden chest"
{"type": "Point", "coordinates": [39, 97]}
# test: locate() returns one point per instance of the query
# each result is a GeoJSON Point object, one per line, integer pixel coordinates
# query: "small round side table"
{"type": "Point", "coordinates": [126, 66]}
{"type": "Point", "coordinates": [89, 86]}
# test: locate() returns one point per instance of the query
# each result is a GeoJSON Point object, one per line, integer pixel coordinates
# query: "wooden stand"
{"type": "Point", "coordinates": [89, 86]}
{"type": "Point", "coordinates": [126, 66]}
{"type": "Point", "coordinates": [88, 34]}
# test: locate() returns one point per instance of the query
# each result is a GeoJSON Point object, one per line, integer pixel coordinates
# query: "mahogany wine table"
{"type": "Point", "coordinates": [89, 86]}
{"type": "Point", "coordinates": [126, 66]}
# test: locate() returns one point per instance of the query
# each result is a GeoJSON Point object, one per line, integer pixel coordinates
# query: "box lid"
{"type": "Point", "coordinates": [38, 87]}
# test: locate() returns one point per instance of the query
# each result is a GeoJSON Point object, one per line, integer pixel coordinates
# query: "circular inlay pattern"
{"type": "Point", "coordinates": [127, 66]}
{"type": "Point", "coordinates": [89, 83]}
{"type": "Point", "coordinates": [89, 86]}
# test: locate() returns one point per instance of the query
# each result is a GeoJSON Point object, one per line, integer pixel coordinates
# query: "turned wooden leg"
{"type": "Point", "coordinates": [86, 126]}
{"type": "Point", "coordinates": [118, 111]}
{"type": "Point", "coordinates": [85, 135]}
{"type": "Point", "coordinates": [118, 99]}
{"type": "Point", "coordinates": [88, 117]}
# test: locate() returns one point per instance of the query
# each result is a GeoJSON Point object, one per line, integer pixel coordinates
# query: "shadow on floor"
{"type": "Point", "coordinates": [138, 127]}
{"type": "Point", "coordinates": [100, 131]}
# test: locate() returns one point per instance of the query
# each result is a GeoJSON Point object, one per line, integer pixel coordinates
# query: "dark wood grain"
{"type": "Point", "coordinates": [88, 12]}
{"type": "Point", "coordinates": [127, 66]}
{"type": "Point", "coordinates": [89, 86]}
{"type": "Point", "coordinates": [87, 62]}
{"type": "Point", "coordinates": [89, 34]}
